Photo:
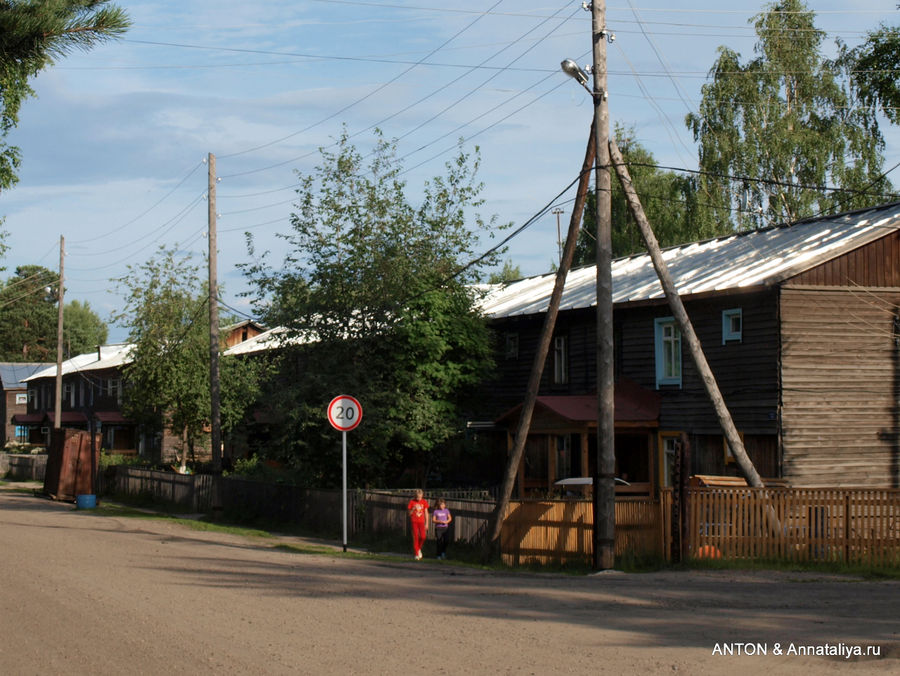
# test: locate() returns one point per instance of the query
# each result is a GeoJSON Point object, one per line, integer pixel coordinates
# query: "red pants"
{"type": "Point", "coordinates": [418, 533]}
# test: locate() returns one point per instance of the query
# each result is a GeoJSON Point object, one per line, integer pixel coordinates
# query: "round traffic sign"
{"type": "Point", "coordinates": [344, 413]}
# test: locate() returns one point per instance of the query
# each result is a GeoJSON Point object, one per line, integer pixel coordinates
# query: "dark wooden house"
{"type": "Point", "coordinates": [800, 325]}
{"type": "Point", "coordinates": [15, 400]}
{"type": "Point", "coordinates": [92, 397]}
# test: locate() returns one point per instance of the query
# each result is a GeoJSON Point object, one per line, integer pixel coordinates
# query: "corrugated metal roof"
{"type": "Point", "coordinates": [110, 356]}
{"type": "Point", "coordinates": [756, 258]}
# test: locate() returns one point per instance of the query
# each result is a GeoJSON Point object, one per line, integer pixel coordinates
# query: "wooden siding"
{"type": "Point", "coordinates": [876, 264]}
{"type": "Point", "coordinates": [840, 377]}
{"type": "Point", "coordinates": [746, 372]}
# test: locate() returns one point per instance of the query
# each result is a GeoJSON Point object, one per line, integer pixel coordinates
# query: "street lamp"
{"type": "Point", "coordinates": [573, 70]}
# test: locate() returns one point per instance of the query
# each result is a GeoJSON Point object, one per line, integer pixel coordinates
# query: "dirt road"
{"type": "Point", "coordinates": [82, 593]}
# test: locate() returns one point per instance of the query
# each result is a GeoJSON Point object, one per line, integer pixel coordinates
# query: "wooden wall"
{"type": "Point", "coordinates": [840, 371]}
{"type": "Point", "coordinates": [746, 372]}
{"type": "Point", "coordinates": [876, 265]}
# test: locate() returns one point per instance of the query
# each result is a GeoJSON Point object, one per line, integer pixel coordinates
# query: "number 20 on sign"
{"type": "Point", "coordinates": [344, 413]}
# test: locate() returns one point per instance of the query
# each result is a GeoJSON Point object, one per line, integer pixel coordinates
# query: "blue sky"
{"type": "Point", "coordinates": [115, 141]}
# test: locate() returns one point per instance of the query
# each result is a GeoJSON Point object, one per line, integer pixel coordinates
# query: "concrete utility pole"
{"type": "Point", "coordinates": [57, 408]}
{"type": "Point", "coordinates": [214, 416]}
{"type": "Point", "coordinates": [604, 494]}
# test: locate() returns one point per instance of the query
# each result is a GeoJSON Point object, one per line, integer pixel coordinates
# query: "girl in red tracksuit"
{"type": "Point", "coordinates": [418, 518]}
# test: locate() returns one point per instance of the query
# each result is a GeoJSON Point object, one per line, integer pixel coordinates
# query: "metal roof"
{"type": "Point", "coordinates": [105, 357]}
{"type": "Point", "coordinates": [744, 260]}
{"type": "Point", "coordinates": [13, 374]}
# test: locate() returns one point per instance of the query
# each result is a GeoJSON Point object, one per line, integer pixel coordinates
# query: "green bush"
{"type": "Point", "coordinates": [113, 459]}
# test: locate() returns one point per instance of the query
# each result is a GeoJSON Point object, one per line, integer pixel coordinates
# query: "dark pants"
{"type": "Point", "coordinates": [442, 539]}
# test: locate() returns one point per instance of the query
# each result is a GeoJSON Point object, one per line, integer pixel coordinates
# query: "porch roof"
{"type": "Point", "coordinates": [67, 417]}
{"type": "Point", "coordinates": [110, 417]}
{"type": "Point", "coordinates": [28, 418]}
{"type": "Point", "coordinates": [633, 404]}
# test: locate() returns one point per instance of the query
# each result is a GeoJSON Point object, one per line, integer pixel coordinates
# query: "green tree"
{"type": "Point", "coordinates": [167, 381]}
{"type": "Point", "coordinates": [374, 288]}
{"type": "Point", "coordinates": [872, 70]}
{"type": "Point", "coordinates": [670, 201]}
{"type": "Point", "coordinates": [510, 272]}
{"type": "Point", "coordinates": [28, 315]}
{"type": "Point", "coordinates": [33, 34]}
{"type": "Point", "coordinates": [83, 330]}
{"type": "Point", "coordinates": [778, 132]}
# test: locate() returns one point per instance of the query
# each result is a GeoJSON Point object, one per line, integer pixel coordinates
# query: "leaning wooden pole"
{"type": "Point", "coordinates": [684, 322]}
{"type": "Point", "coordinates": [540, 357]}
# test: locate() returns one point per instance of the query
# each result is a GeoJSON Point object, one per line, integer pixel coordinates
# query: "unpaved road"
{"type": "Point", "coordinates": [89, 594]}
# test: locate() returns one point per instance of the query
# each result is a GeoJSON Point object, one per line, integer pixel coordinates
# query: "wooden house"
{"type": "Point", "coordinates": [800, 325]}
{"type": "Point", "coordinates": [15, 400]}
{"type": "Point", "coordinates": [92, 389]}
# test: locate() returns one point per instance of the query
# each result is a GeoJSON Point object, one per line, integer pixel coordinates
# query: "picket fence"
{"type": "Point", "coordinates": [848, 525]}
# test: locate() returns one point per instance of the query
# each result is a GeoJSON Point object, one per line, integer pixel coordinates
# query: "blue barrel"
{"type": "Point", "coordinates": [85, 501]}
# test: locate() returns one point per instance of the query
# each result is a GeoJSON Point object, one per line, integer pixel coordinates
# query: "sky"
{"type": "Point", "coordinates": [116, 140]}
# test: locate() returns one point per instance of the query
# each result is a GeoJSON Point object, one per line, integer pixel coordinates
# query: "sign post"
{"type": "Point", "coordinates": [344, 414]}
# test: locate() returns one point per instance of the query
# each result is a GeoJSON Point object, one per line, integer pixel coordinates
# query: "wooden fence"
{"type": "Point", "coordinates": [560, 531]}
{"type": "Point", "coordinates": [796, 524]}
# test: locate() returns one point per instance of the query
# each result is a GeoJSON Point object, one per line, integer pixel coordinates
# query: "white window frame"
{"type": "Point", "coordinates": [114, 388]}
{"type": "Point", "coordinates": [21, 398]}
{"type": "Point", "coordinates": [667, 345]}
{"type": "Point", "coordinates": [729, 334]}
{"type": "Point", "coordinates": [560, 360]}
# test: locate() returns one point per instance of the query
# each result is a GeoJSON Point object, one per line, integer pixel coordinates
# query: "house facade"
{"type": "Point", "coordinates": [92, 397]}
{"type": "Point", "coordinates": [800, 325]}
{"type": "Point", "coordinates": [15, 399]}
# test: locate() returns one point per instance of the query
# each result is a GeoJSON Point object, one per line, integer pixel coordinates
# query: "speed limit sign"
{"type": "Point", "coordinates": [344, 413]}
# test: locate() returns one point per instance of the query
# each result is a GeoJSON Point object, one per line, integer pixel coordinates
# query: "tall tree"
{"type": "Point", "coordinates": [872, 70]}
{"type": "Point", "coordinates": [83, 330]}
{"type": "Point", "coordinates": [670, 201]}
{"type": "Point", "coordinates": [778, 132]}
{"type": "Point", "coordinates": [168, 377]}
{"type": "Point", "coordinates": [33, 35]}
{"type": "Point", "coordinates": [28, 318]}
{"type": "Point", "coordinates": [28, 315]}
{"type": "Point", "coordinates": [374, 287]}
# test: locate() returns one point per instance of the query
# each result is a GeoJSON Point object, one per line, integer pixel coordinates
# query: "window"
{"type": "Point", "coordinates": [667, 341]}
{"type": "Point", "coordinates": [32, 396]}
{"type": "Point", "coordinates": [114, 389]}
{"type": "Point", "coordinates": [68, 394]}
{"type": "Point", "coordinates": [21, 399]}
{"type": "Point", "coordinates": [560, 360]}
{"type": "Point", "coordinates": [511, 350]}
{"type": "Point", "coordinates": [732, 326]}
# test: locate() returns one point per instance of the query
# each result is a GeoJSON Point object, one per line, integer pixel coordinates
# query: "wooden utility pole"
{"type": "Point", "coordinates": [57, 408]}
{"type": "Point", "coordinates": [604, 493]}
{"type": "Point", "coordinates": [214, 417]}
{"type": "Point", "coordinates": [684, 322]}
{"type": "Point", "coordinates": [540, 357]}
